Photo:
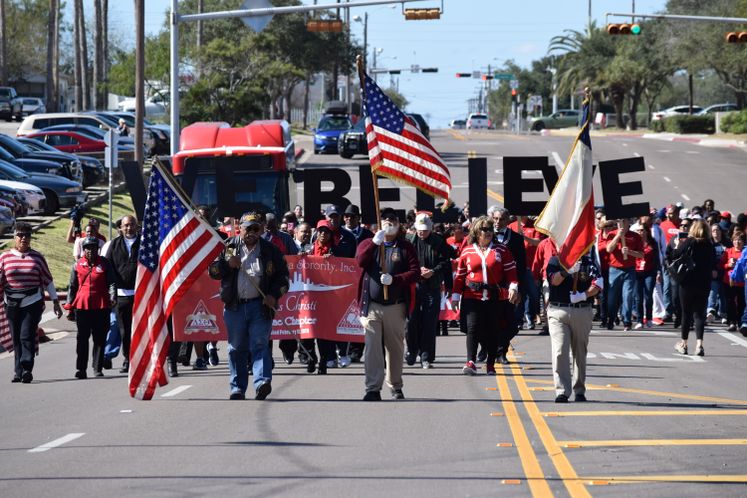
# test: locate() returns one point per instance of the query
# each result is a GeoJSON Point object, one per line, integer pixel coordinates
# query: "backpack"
{"type": "Point", "coordinates": [683, 266]}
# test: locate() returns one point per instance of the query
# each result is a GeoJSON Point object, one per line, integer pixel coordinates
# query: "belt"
{"type": "Point", "coordinates": [570, 305]}
{"type": "Point", "coordinates": [244, 301]}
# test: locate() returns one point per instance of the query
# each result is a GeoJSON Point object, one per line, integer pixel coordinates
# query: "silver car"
{"type": "Point", "coordinates": [32, 105]}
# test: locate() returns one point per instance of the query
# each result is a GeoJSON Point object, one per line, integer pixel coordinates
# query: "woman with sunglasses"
{"type": "Point", "coordinates": [485, 282]}
{"type": "Point", "coordinates": [24, 275]}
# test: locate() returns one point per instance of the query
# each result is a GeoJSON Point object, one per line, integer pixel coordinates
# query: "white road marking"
{"type": "Point", "coordinates": [663, 150]}
{"type": "Point", "coordinates": [735, 339]}
{"type": "Point", "coordinates": [643, 332]}
{"type": "Point", "coordinates": [636, 154]}
{"type": "Point", "coordinates": [175, 391]}
{"type": "Point", "coordinates": [125, 411]}
{"type": "Point", "coordinates": [57, 442]}
{"type": "Point", "coordinates": [625, 145]}
{"type": "Point", "coordinates": [666, 179]}
{"type": "Point", "coordinates": [692, 152]}
{"type": "Point", "coordinates": [685, 197]}
{"type": "Point", "coordinates": [651, 166]}
{"type": "Point", "coordinates": [496, 183]}
{"type": "Point", "coordinates": [48, 316]}
{"type": "Point", "coordinates": [558, 161]}
{"type": "Point", "coordinates": [499, 171]}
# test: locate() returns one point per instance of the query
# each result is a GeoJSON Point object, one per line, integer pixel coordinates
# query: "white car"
{"type": "Point", "coordinates": [33, 195]}
{"type": "Point", "coordinates": [152, 107]}
{"type": "Point", "coordinates": [678, 110]}
{"type": "Point", "coordinates": [457, 124]}
{"type": "Point", "coordinates": [476, 121]}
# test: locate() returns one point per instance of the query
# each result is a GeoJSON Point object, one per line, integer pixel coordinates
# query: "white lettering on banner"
{"type": "Point", "coordinates": [645, 356]}
{"type": "Point", "coordinates": [292, 320]}
{"type": "Point", "coordinates": [292, 304]}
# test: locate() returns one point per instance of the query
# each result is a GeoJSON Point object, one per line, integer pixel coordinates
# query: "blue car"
{"type": "Point", "coordinates": [328, 132]}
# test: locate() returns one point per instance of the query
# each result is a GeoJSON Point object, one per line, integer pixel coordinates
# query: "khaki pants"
{"type": "Point", "coordinates": [569, 335]}
{"type": "Point", "coordinates": [385, 328]}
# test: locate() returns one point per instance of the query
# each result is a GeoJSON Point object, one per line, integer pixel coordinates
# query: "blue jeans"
{"type": "Point", "coordinates": [248, 330]}
{"type": "Point", "coordinates": [744, 315]}
{"type": "Point", "coordinates": [621, 280]}
{"type": "Point", "coordinates": [530, 296]}
{"type": "Point", "coordinates": [717, 298]}
{"type": "Point", "coordinates": [646, 281]}
{"type": "Point", "coordinates": [113, 339]}
{"type": "Point", "coordinates": [667, 285]}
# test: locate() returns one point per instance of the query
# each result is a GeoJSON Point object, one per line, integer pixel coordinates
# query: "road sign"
{"type": "Point", "coordinates": [257, 23]}
{"type": "Point", "coordinates": [503, 76]}
{"type": "Point", "coordinates": [514, 84]}
{"type": "Point", "coordinates": [476, 74]}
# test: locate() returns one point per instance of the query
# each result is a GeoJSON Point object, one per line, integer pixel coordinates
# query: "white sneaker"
{"type": "Point", "coordinates": [638, 326]}
{"type": "Point", "coordinates": [724, 321]}
{"type": "Point", "coordinates": [710, 317]}
{"type": "Point", "coordinates": [344, 361]}
{"type": "Point", "coordinates": [427, 365]}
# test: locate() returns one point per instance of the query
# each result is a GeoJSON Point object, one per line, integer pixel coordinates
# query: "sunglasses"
{"type": "Point", "coordinates": [23, 235]}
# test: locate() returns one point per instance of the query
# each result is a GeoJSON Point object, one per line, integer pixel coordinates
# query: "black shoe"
{"type": "Point", "coordinates": [580, 398]}
{"type": "Point", "coordinates": [445, 332]}
{"type": "Point", "coordinates": [372, 396]}
{"type": "Point", "coordinates": [677, 323]}
{"type": "Point", "coordinates": [310, 366]}
{"type": "Point", "coordinates": [173, 371]}
{"type": "Point", "coordinates": [26, 377]}
{"type": "Point", "coordinates": [288, 357]}
{"type": "Point", "coordinates": [107, 363]}
{"type": "Point", "coordinates": [81, 374]}
{"type": "Point", "coordinates": [263, 391]}
{"type": "Point", "coordinates": [545, 330]}
{"type": "Point", "coordinates": [199, 364]}
{"type": "Point", "coordinates": [125, 367]}
{"type": "Point", "coordinates": [355, 357]}
{"type": "Point", "coordinates": [610, 325]}
{"type": "Point", "coordinates": [561, 398]}
{"type": "Point", "coordinates": [213, 357]}
{"type": "Point", "coordinates": [743, 330]}
{"type": "Point", "coordinates": [482, 355]}
{"type": "Point", "coordinates": [237, 395]}
{"type": "Point", "coordinates": [322, 369]}
{"type": "Point", "coordinates": [15, 379]}
{"type": "Point", "coordinates": [98, 373]}
{"type": "Point", "coordinates": [410, 359]}
{"type": "Point", "coordinates": [503, 360]}
{"type": "Point", "coordinates": [398, 394]}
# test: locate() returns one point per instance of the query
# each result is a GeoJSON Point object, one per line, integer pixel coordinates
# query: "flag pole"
{"type": "Point", "coordinates": [375, 177]}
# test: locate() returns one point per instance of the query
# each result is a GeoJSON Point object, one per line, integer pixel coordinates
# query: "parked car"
{"type": "Point", "coordinates": [10, 197]}
{"type": "Point", "coordinates": [11, 105]}
{"type": "Point", "coordinates": [33, 198]}
{"type": "Point", "coordinates": [353, 141]}
{"type": "Point", "coordinates": [58, 191]}
{"type": "Point", "coordinates": [154, 106]}
{"type": "Point", "coordinates": [7, 220]}
{"type": "Point", "coordinates": [126, 145]}
{"type": "Point", "coordinates": [161, 132]}
{"type": "Point", "coordinates": [678, 110]}
{"type": "Point", "coordinates": [32, 105]}
{"type": "Point", "coordinates": [93, 171]}
{"type": "Point", "coordinates": [563, 118]}
{"type": "Point", "coordinates": [71, 165]}
{"type": "Point", "coordinates": [328, 132]}
{"type": "Point", "coordinates": [149, 139]}
{"type": "Point", "coordinates": [718, 108]}
{"type": "Point", "coordinates": [422, 124]}
{"type": "Point", "coordinates": [33, 165]}
{"type": "Point", "coordinates": [478, 121]}
{"type": "Point", "coordinates": [458, 124]}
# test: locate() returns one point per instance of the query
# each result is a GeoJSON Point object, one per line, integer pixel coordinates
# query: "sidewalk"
{"type": "Point", "coordinates": [728, 141]}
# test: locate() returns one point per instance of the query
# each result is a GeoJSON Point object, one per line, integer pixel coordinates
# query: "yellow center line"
{"type": "Point", "coordinates": [495, 195]}
{"type": "Point", "coordinates": [456, 135]}
{"type": "Point", "coordinates": [654, 393]}
{"type": "Point", "coordinates": [672, 478]}
{"type": "Point", "coordinates": [654, 442]}
{"type": "Point", "coordinates": [566, 472]}
{"type": "Point", "coordinates": [532, 470]}
{"type": "Point", "coordinates": [644, 413]}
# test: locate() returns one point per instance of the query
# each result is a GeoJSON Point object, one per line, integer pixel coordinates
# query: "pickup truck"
{"type": "Point", "coordinates": [11, 105]}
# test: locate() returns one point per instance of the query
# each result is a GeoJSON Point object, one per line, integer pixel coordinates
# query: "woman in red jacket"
{"type": "Point", "coordinates": [734, 290]}
{"type": "Point", "coordinates": [485, 279]}
{"type": "Point", "coordinates": [91, 296]}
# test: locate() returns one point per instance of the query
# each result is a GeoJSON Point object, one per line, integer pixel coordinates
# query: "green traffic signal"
{"type": "Point", "coordinates": [635, 29]}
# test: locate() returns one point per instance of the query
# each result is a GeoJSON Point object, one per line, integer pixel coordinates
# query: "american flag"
{"type": "Point", "coordinates": [175, 248]}
{"type": "Point", "coordinates": [398, 150]}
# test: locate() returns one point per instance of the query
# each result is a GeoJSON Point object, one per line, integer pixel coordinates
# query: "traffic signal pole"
{"type": "Point", "coordinates": [679, 17]}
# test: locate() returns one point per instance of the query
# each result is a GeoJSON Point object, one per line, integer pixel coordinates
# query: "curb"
{"type": "Point", "coordinates": [698, 140]}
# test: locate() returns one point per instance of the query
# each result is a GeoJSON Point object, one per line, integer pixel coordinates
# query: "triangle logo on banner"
{"type": "Point", "coordinates": [350, 324]}
{"type": "Point", "coordinates": [201, 320]}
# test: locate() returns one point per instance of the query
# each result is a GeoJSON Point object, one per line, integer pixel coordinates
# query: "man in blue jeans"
{"type": "Point", "coordinates": [623, 247]}
{"type": "Point", "coordinates": [253, 275]}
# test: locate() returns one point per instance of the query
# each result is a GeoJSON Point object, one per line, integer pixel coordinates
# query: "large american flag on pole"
{"type": "Point", "coordinates": [398, 150]}
{"type": "Point", "coordinates": [568, 216]}
{"type": "Point", "coordinates": [176, 247]}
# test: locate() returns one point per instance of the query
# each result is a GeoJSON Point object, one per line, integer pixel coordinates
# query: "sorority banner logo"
{"type": "Point", "coordinates": [321, 303]}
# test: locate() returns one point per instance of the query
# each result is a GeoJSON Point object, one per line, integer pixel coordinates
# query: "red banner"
{"type": "Point", "coordinates": [447, 312]}
{"type": "Point", "coordinates": [322, 303]}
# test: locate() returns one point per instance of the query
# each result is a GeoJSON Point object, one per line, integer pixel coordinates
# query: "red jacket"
{"type": "Point", "coordinates": [495, 270]}
{"type": "Point", "coordinates": [92, 287]}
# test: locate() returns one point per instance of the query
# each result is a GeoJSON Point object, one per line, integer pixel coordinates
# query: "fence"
{"type": "Point", "coordinates": [313, 117]}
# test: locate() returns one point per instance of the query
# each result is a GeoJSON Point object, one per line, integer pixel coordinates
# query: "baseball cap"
{"type": "Point", "coordinates": [323, 224]}
{"type": "Point", "coordinates": [332, 209]}
{"type": "Point", "coordinates": [423, 222]}
{"type": "Point", "coordinates": [389, 214]}
{"type": "Point", "coordinates": [726, 214]}
{"type": "Point", "coordinates": [90, 241]}
{"type": "Point", "coordinates": [250, 219]}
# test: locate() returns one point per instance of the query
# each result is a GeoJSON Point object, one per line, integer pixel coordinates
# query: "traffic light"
{"type": "Point", "coordinates": [486, 77]}
{"type": "Point", "coordinates": [429, 70]}
{"type": "Point", "coordinates": [395, 71]}
{"type": "Point", "coordinates": [324, 26]}
{"type": "Point", "coordinates": [464, 75]}
{"type": "Point", "coordinates": [624, 29]}
{"type": "Point", "coordinates": [736, 37]}
{"type": "Point", "coordinates": [422, 14]}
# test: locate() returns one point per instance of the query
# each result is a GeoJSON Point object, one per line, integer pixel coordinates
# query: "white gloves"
{"type": "Point", "coordinates": [378, 238]}
{"type": "Point", "coordinates": [578, 297]}
{"type": "Point", "coordinates": [575, 268]}
{"type": "Point", "coordinates": [386, 279]}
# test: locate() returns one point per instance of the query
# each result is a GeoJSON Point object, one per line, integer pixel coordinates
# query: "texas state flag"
{"type": "Point", "coordinates": [568, 217]}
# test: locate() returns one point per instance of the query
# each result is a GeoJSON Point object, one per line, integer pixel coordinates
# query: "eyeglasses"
{"type": "Point", "coordinates": [685, 226]}
{"type": "Point", "coordinates": [23, 235]}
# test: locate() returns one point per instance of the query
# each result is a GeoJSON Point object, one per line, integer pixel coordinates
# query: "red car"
{"type": "Point", "coordinates": [72, 142]}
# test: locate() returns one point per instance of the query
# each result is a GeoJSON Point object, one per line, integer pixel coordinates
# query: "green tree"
{"type": "Point", "coordinates": [399, 100]}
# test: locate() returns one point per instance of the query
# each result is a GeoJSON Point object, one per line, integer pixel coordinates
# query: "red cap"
{"type": "Point", "coordinates": [726, 214]}
{"type": "Point", "coordinates": [323, 223]}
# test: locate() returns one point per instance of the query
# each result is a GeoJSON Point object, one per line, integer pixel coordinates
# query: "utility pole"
{"type": "Point", "coordinates": [348, 101]}
{"type": "Point", "coordinates": [140, 79]}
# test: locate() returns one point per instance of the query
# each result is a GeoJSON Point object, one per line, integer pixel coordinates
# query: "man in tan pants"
{"type": "Point", "coordinates": [569, 316]}
{"type": "Point", "coordinates": [385, 295]}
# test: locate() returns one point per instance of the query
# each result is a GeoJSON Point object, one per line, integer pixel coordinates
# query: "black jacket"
{"type": "Point", "coordinates": [703, 256]}
{"type": "Point", "coordinates": [434, 253]}
{"type": "Point", "coordinates": [274, 280]}
{"type": "Point", "coordinates": [125, 265]}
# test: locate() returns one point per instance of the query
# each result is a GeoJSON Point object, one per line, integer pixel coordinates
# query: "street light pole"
{"type": "Point", "coordinates": [348, 101]}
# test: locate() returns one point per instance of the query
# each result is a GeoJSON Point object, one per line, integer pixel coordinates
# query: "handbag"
{"type": "Point", "coordinates": [681, 267]}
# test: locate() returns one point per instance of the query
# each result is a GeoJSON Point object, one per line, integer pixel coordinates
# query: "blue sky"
{"type": "Point", "coordinates": [470, 35]}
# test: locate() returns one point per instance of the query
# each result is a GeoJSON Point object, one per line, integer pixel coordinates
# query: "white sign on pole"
{"type": "Point", "coordinates": [514, 84]}
{"type": "Point", "coordinates": [257, 23]}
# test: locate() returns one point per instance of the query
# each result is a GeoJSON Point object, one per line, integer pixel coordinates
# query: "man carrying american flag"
{"type": "Point", "coordinates": [175, 248]}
